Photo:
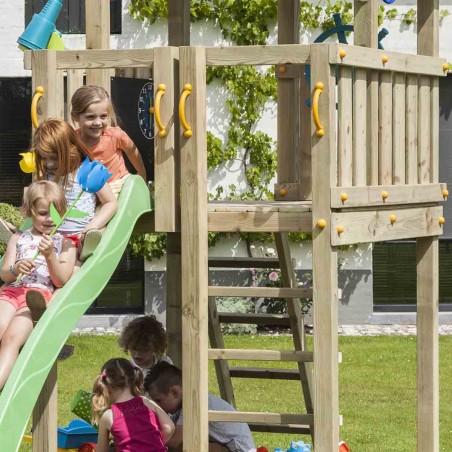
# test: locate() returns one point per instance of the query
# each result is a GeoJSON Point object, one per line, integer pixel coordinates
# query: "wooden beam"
{"type": "Point", "coordinates": [427, 20]}
{"type": "Point", "coordinates": [98, 37]}
{"type": "Point", "coordinates": [270, 292]}
{"type": "Point", "coordinates": [263, 418]}
{"type": "Point", "coordinates": [179, 23]}
{"type": "Point", "coordinates": [261, 355]}
{"type": "Point", "coordinates": [365, 25]}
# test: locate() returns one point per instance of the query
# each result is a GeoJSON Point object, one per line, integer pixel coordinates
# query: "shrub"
{"type": "Point", "coordinates": [236, 304]}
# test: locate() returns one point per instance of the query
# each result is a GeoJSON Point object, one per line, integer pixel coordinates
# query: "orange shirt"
{"type": "Point", "coordinates": [109, 151]}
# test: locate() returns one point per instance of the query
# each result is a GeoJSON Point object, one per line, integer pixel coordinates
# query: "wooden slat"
{"type": "Point", "coordinates": [385, 128]}
{"type": "Point", "coordinates": [398, 127]}
{"type": "Point", "coordinates": [281, 428]}
{"type": "Point", "coordinates": [259, 417]}
{"type": "Point", "coordinates": [252, 318]}
{"type": "Point", "coordinates": [345, 127]}
{"type": "Point", "coordinates": [270, 374]}
{"type": "Point", "coordinates": [374, 226]}
{"type": "Point", "coordinates": [367, 58]}
{"type": "Point", "coordinates": [261, 355]}
{"type": "Point", "coordinates": [411, 121]}
{"type": "Point", "coordinates": [359, 127]}
{"type": "Point", "coordinates": [287, 191]}
{"type": "Point", "coordinates": [178, 23]}
{"type": "Point", "coordinates": [266, 292]}
{"type": "Point", "coordinates": [74, 81]}
{"type": "Point", "coordinates": [372, 127]}
{"type": "Point", "coordinates": [372, 195]}
{"type": "Point", "coordinates": [324, 269]}
{"type": "Point", "coordinates": [243, 262]}
{"type": "Point", "coordinates": [365, 31]}
{"type": "Point", "coordinates": [260, 206]}
{"type": "Point", "coordinates": [434, 127]}
{"type": "Point", "coordinates": [98, 37]}
{"type": "Point", "coordinates": [257, 55]}
{"type": "Point", "coordinates": [424, 132]}
{"type": "Point", "coordinates": [305, 140]}
{"type": "Point", "coordinates": [166, 156]}
{"type": "Point", "coordinates": [194, 253]}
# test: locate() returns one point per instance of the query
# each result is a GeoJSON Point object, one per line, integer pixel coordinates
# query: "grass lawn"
{"type": "Point", "coordinates": [377, 388]}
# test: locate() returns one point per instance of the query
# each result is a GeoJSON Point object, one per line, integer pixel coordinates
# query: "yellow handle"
{"type": "Point", "coordinates": [315, 109]}
{"type": "Point", "coordinates": [34, 106]}
{"type": "Point", "coordinates": [187, 128]}
{"type": "Point", "coordinates": [160, 92]}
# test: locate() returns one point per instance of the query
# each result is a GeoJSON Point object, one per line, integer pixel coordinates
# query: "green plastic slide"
{"type": "Point", "coordinates": [50, 334]}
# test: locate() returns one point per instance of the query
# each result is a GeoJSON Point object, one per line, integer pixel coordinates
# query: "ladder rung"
{"type": "Point", "coordinates": [260, 418]}
{"type": "Point", "coordinates": [260, 292]}
{"type": "Point", "coordinates": [281, 428]}
{"type": "Point", "coordinates": [270, 374]}
{"type": "Point", "coordinates": [256, 319]}
{"type": "Point", "coordinates": [261, 355]}
{"type": "Point", "coordinates": [244, 262]}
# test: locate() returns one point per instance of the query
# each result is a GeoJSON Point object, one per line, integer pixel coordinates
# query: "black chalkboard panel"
{"type": "Point", "coordinates": [126, 94]}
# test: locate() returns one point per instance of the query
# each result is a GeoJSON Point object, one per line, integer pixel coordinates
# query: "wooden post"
{"type": "Point", "coordinates": [194, 253]}
{"type": "Point", "coordinates": [288, 99]}
{"type": "Point", "coordinates": [98, 37]}
{"type": "Point", "coordinates": [45, 415]}
{"type": "Point", "coordinates": [324, 270]}
{"type": "Point", "coordinates": [427, 256]}
{"type": "Point", "coordinates": [178, 35]}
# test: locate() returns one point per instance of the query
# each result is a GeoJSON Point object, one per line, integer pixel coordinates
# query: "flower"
{"type": "Point", "coordinates": [273, 276]}
{"type": "Point", "coordinates": [92, 176]}
{"type": "Point", "coordinates": [28, 164]}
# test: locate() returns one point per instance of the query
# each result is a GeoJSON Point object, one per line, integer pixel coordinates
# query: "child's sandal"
{"type": "Point", "coordinates": [92, 239]}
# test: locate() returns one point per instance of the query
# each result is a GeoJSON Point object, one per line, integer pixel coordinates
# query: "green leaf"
{"type": "Point", "coordinates": [74, 213]}
{"type": "Point", "coordinates": [54, 215]}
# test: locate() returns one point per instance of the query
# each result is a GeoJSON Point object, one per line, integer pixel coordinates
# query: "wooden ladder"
{"type": "Point", "coordinates": [263, 422]}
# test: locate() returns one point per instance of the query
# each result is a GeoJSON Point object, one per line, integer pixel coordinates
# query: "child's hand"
{"type": "Point", "coordinates": [24, 266]}
{"type": "Point", "coordinates": [46, 245]}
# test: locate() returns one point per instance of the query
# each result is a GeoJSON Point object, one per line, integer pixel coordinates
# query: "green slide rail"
{"type": "Point", "coordinates": [50, 334]}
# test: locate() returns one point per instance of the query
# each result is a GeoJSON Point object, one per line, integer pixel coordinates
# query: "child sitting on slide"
{"type": "Point", "coordinates": [51, 269]}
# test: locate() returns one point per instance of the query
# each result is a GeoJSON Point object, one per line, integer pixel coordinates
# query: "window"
{"type": "Point", "coordinates": [72, 17]}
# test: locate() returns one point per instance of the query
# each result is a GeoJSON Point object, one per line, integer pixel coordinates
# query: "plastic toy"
{"type": "Point", "coordinates": [41, 29]}
{"type": "Point", "coordinates": [76, 434]}
{"type": "Point", "coordinates": [296, 446]}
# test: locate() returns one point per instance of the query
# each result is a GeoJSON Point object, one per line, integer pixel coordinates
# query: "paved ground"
{"type": "Point", "coordinates": [344, 330]}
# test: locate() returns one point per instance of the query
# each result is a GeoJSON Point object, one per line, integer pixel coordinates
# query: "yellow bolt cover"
{"type": "Point", "coordinates": [340, 229]}
{"type": "Point", "coordinates": [282, 69]}
{"type": "Point", "coordinates": [441, 220]}
{"type": "Point", "coordinates": [445, 67]}
{"type": "Point", "coordinates": [282, 192]}
{"type": "Point", "coordinates": [344, 197]}
{"type": "Point", "coordinates": [321, 223]}
{"type": "Point", "coordinates": [384, 194]}
{"type": "Point", "coordinates": [384, 59]}
{"type": "Point", "coordinates": [445, 193]}
{"type": "Point", "coordinates": [393, 218]}
{"type": "Point", "coordinates": [342, 54]}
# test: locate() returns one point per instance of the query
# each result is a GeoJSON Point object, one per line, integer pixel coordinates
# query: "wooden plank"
{"type": "Point", "coordinates": [427, 344]}
{"type": "Point", "coordinates": [261, 373]}
{"type": "Point", "coordinates": [259, 417]}
{"type": "Point", "coordinates": [359, 128]}
{"type": "Point", "coordinates": [324, 269]}
{"type": "Point", "coordinates": [166, 156]}
{"type": "Point", "coordinates": [221, 366]}
{"type": "Point", "coordinates": [365, 24]}
{"type": "Point", "coordinates": [74, 81]}
{"type": "Point", "coordinates": [259, 206]}
{"type": "Point", "coordinates": [398, 127]}
{"type": "Point", "coordinates": [260, 221]}
{"type": "Point", "coordinates": [345, 127]}
{"type": "Point", "coordinates": [385, 129]}
{"type": "Point", "coordinates": [375, 226]}
{"type": "Point", "coordinates": [424, 132]}
{"type": "Point", "coordinates": [257, 55]}
{"type": "Point", "coordinates": [372, 195]}
{"type": "Point", "coordinates": [244, 262]}
{"type": "Point", "coordinates": [194, 253]}
{"type": "Point", "coordinates": [411, 122]}
{"type": "Point", "coordinates": [179, 23]}
{"type": "Point", "coordinates": [45, 423]}
{"type": "Point", "coordinates": [434, 127]}
{"type": "Point", "coordinates": [287, 191]}
{"type": "Point", "coordinates": [255, 319]}
{"type": "Point", "coordinates": [305, 139]}
{"type": "Point", "coordinates": [372, 127]}
{"type": "Point", "coordinates": [367, 58]}
{"type": "Point", "coordinates": [427, 20]}
{"type": "Point", "coordinates": [289, 71]}
{"type": "Point", "coordinates": [280, 428]}
{"type": "Point", "coordinates": [98, 37]}
{"type": "Point", "coordinates": [261, 355]}
{"type": "Point", "coordinates": [266, 292]}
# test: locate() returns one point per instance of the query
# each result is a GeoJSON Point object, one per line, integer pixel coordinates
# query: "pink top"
{"type": "Point", "coordinates": [109, 151]}
{"type": "Point", "coordinates": [135, 427]}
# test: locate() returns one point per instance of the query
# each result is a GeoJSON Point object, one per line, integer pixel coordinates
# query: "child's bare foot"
{"type": "Point", "coordinates": [92, 239]}
{"type": "Point", "coordinates": [36, 304]}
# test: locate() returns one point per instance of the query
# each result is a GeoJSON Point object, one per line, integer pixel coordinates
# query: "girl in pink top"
{"type": "Point", "coordinates": [92, 109]}
{"type": "Point", "coordinates": [136, 423]}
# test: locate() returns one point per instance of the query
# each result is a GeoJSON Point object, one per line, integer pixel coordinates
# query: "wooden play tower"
{"type": "Point", "coordinates": [360, 166]}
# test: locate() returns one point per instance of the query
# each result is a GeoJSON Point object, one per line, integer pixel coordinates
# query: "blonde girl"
{"type": "Point", "coordinates": [59, 154]}
{"type": "Point", "coordinates": [135, 422]}
{"type": "Point", "coordinates": [92, 110]}
{"type": "Point", "coordinates": [40, 277]}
